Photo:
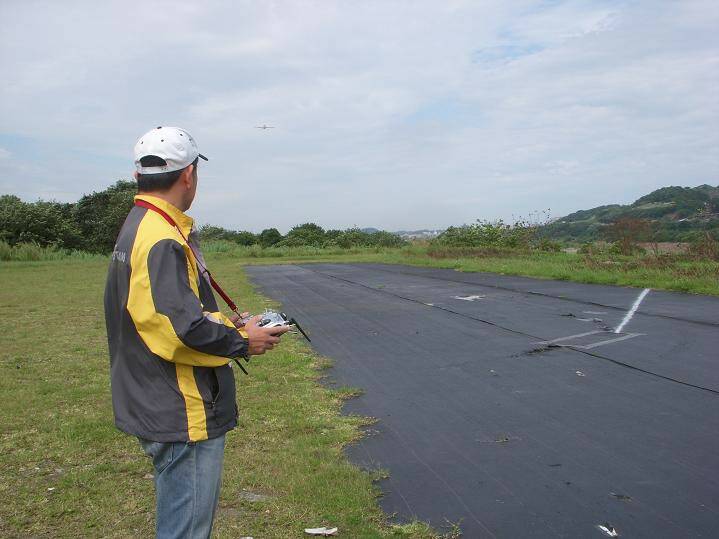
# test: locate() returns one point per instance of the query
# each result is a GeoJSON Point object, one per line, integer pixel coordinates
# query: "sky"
{"type": "Point", "coordinates": [390, 114]}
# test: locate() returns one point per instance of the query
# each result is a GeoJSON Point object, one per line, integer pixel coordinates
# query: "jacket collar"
{"type": "Point", "coordinates": [184, 221]}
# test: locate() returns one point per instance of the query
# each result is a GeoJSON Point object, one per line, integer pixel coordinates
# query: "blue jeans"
{"type": "Point", "coordinates": [187, 485]}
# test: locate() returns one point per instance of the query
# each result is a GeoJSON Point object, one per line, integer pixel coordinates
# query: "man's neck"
{"type": "Point", "coordinates": [168, 196]}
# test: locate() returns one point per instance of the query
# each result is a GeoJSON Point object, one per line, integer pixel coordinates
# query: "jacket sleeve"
{"type": "Point", "coordinates": [178, 329]}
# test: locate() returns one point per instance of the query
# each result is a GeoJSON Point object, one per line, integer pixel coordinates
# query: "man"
{"type": "Point", "coordinates": [170, 346]}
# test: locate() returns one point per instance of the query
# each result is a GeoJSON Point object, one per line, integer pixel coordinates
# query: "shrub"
{"type": "Point", "coordinates": [306, 234]}
{"type": "Point", "coordinates": [593, 248]}
{"type": "Point", "coordinates": [383, 238]}
{"type": "Point", "coordinates": [549, 246]}
{"type": "Point", "coordinates": [706, 248]}
{"type": "Point", "coordinates": [41, 223]}
{"type": "Point", "coordinates": [625, 248]}
{"type": "Point", "coordinates": [626, 232]}
{"type": "Point", "coordinates": [489, 234]}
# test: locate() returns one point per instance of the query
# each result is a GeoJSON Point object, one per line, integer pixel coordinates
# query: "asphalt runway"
{"type": "Point", "coordinates": [511, 407]}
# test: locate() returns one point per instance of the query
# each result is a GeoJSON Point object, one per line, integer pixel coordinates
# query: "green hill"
{"type": "Point", "coordinates": [673, 213]}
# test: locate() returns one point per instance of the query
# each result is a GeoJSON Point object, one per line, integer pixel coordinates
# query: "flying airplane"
{"type": "Point", "coordinates": [264, 126]}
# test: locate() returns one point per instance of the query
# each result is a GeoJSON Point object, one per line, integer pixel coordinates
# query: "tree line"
{"type": "Point", "coordinates": [92, 223]}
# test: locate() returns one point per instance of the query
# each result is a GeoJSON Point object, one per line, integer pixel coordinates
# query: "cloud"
{"type": "Point", "coordinates": [390, 114]}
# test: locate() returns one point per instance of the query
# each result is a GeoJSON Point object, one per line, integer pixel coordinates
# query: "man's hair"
{"type": "Point", "coordinates": [162, 181]}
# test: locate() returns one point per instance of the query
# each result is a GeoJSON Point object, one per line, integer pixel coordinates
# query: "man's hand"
{"type": "Point", "coordinates": [262, 339]}
{"type": "Point", "coordinates": [237, 319]}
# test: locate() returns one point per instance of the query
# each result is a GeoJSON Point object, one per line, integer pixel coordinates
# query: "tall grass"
{"type": "Point", "coordinates": [227, 249]}
{"type": "Point", "coordinates": [32, 252]}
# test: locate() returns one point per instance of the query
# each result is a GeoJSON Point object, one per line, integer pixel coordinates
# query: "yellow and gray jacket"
{"type": "Point", "coordinates": [170, 347]}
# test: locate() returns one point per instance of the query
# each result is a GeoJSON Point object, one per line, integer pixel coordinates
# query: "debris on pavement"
{"type": "Point", "coordinates": [580, 373]}
{"type": "Point", "coordinates": [502, 439]}
{"type": "Point", "coordinates": [622, 497]}
{"type": "Point", "coordinates": [608, 529]}
{"type": "Point", "coordinates": [541, 349]}
{"type": "Point", "coordinates": [324, 532]}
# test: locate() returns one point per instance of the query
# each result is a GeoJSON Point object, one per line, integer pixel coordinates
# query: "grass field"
{"type": "Point", "coordinates": [67, 472]}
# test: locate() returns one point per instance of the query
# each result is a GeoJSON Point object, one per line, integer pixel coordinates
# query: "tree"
{"type": "Point", "coordinates": [244, 238]}
{"type": "Point", "coordinates": [100, 215]}
{"type": "Point", "coordinates": [211, 232]}
{"type": "Point", "coordinates": [241, 237]}
{"type": "Point", "coordinates": [269, 237]}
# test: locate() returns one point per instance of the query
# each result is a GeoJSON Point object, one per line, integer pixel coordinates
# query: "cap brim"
{"type": "Point", "coordinates": [205, 158]}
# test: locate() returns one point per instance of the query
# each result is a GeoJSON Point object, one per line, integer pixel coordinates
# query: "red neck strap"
{"type": "Point", "coordinates": [203, 268]}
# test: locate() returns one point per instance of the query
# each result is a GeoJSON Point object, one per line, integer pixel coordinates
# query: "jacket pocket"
{"type": "Point", "coordinates": [207, 384]}
{"type": "Point", "coordinates": [224, 401]}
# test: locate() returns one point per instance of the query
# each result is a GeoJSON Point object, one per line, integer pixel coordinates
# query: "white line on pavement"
{"type": "Point", "coordinates": [558, 342]}
{"type": "Point", "coordinates": [578, 335]}
{"type": "Point", "coordinates": [631, 312]}
{"type": "Point", "coordinates": [608, 341]}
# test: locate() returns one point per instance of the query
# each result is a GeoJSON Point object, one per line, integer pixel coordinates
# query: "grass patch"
{"type": "Point", "coordinates": [67, 472]}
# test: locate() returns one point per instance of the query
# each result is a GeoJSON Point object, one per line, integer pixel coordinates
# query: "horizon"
{"type": "Point", "coordinates": [441, 115]}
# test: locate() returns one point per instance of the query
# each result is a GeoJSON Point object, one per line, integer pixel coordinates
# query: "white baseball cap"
{"type": "Point", "coordinates": [173, 145]}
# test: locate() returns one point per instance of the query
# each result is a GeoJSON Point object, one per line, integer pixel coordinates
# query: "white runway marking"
{"type": "Point", "coordinates": [559, 341]}
{"type": "Point", "coordinates": [577, 336]}
{"type": "Point", "coordinates": [609, 341]}
{"type": "Point", "coordinates": [631, 312]}
{"type": "Point", "coordinates": [467, 298]}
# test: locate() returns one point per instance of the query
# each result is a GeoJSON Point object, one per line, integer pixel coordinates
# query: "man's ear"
{"type": "Point", "coordinates": [135, 174]}
{"type": "Point", "coordinates": [187, 176]}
